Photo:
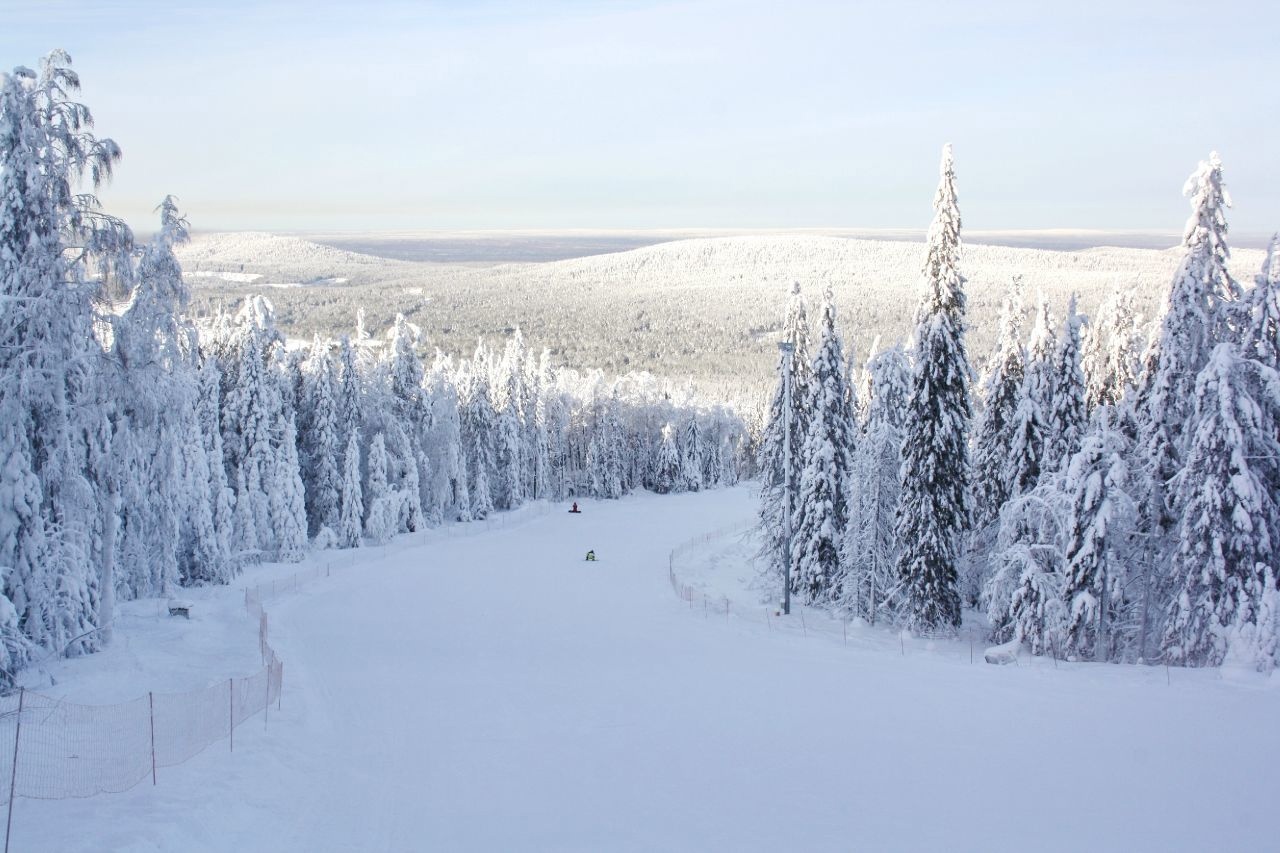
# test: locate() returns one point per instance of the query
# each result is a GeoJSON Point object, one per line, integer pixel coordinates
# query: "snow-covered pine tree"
{"type": "Point", "coordinates": [510, 401]}
{"type": "Point", "coordinates": [209, 407]}
{"type": "Point", "coordinates": [152, 401]}
{"type": "Point", "coordinates": [870, 547]}
{"type": "Point", "coordinates": [537, 446]}
{"type": "Point", "coordinates": [1030, 428]}
{"type": "Point", "coordinates": [1109, 357]}
{"type": "Point", "coordinates": [1023, 595]}
{"type": "Point", "coordinates": [1102, 513]}
{"type": "Point", "coordinates": [604, 452]}
{"type": "Point", "coordinates": [162, 358]}
{"type": "Point", "coordinates": [822, 511]}
{"type": "Point", "coordinates": [1068, 418]}
{"type": "Point", "coordinates": [507, 443]}
{"type": "Point", "coordinates": [381, 510]}
{"type": "Point", "coordinates": [350, 415]}
{"type": "Point", "coordinates": [251, 411]}
{"type": "Point", "coordinates": [1001, 391]}
{"type": "Point", "coordinates": [777, 494]}
{"type": "Point", "coordinates": [477, 437]}
{"type": "Point", "coordinates": [691, 456]}
{"type": "Point", "coordinates": [1230, 522]}
{"type": "Point", "coordinates": [288, 503]}
{"type": "Point", "coordinates": [351, 511]}
{"type": "Point", "coordinates": [666, 467]}
{"type": "Point", "coordinates": [933, 511]}
{"type": "Point", "coordinates": [1255, 638]}
{"type": "Point", "coordinates": [1260, 329]}
{"type": "Point", "coordinates": [1189, 330]}
{"type": "Point", "coordinates": [447, 485]}
{"type": "Point", "coordinates": [322, 448]}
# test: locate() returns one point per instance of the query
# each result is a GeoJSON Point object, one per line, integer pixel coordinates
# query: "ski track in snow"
{"type": "Point", "coordinates": [494, 691]}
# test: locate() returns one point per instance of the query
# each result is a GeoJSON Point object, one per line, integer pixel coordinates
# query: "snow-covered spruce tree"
{"type": "Point", "coordinates": [604, 452]}
{"type": "Point", "coordinates": [1102, 513]}
{"type": "Point", "coordinates": [559, 450]}
{"type": "Point", "coordinates": [511, 467]}
{"type": "Point", "coordinates": [153, 391]}
{"type": "Point", "coordinates": [822, 511]}
{"type": "Point", "coordinates": [448, 481]}
{"type": "Point", "coordinates": [1230, 522]}
{"type": "Point", "coordinates": [1166, 394]}
{"type": "Point", "coordinates": [1110, 353]}
{"type": "Point", "coordinates": [536, 453]}
{"type": "Point", "coordinates": [406, 463]}
{"type": "Point", "coordinates": [1256, 643]}
{"type": "Point", "coordinates": [349, 413]}
{"type": "Point", "coordinates": [251, 411]}
{"type": "Point", "coordinates": [209, 409]}
{"type": "Point", "coordinates": [288, 503]}
{"type": "Point", "coordinates": [1001, 391]}
{"type": "Point", "coordinates": [404, 421]}
{"type": "Point", "coordinates": [351, 511]}
{"type": "Point", "coordinates": [777, 493]}
{"type": "Point", "coordinates": [666, 469]}
{"type": "Point", "coordinates": [933, 512]}
{"type": "Point", "coordinates": [691, 456]}
{"type": "Point", "coordinates": [160, 358]}
{"type": "Point", "coordinates": [1030, 428]}
{"type": "Point", "coordinates": [870, 547]}
{"type": "Point", "coordinates": [477, 437]}
{"type": "Point", "coordinates": [48, 361]}
{"type": "Point", "coordinates": [1023, 595]}
{"type": "Point", "coordinates": [507, 486]}
{"type": "Point", "coordinates": [381, 510]}
{"type": "Point", "coordinates": [321, 446]}
{"type": "Point", "coordinates": [1260, 329]}
{"type": "Point", "coordinates": [1067, 416]}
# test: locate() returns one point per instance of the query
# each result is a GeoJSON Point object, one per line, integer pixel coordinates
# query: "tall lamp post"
{"type": "Point", "coordinates": [788, 351]}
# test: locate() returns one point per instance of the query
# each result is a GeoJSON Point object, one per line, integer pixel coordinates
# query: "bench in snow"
{"type": "Point", "coordinates": [180, 608]}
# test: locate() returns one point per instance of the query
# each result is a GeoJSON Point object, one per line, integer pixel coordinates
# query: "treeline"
{"type": "Point", "coordinates": [141, 452]}
{"type": "Point", "coordinates": [1113, 497]}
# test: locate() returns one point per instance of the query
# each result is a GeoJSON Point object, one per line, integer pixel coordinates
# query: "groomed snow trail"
{"type": "Point", "coordinates": [495, 692]}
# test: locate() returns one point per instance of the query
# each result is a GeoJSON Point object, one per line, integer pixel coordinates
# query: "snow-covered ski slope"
{"type": "Point", "coordinates": [495, 692]}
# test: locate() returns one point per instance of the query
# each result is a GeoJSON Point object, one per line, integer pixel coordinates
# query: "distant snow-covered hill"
{"type": "Point", "coordinates": [703, 308]}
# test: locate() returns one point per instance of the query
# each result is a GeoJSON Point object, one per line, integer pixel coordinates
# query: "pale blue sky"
{"type": "Point", "coordinates": [687, 113]}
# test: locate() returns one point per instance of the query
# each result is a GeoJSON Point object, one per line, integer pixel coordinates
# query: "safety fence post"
{"type": "Point", "coordinates": [13, 776]}
{"type": "Point", "coordinates": [151, 707]}
{"type": "Point", "coordinates": [803, 627]}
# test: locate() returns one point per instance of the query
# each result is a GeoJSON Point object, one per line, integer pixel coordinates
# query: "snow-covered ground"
{"type": "Point", "coordinates": [491, 690]}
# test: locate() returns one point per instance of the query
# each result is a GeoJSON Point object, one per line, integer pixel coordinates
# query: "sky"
{"type": "Point", "coordinates": [670, 113]}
